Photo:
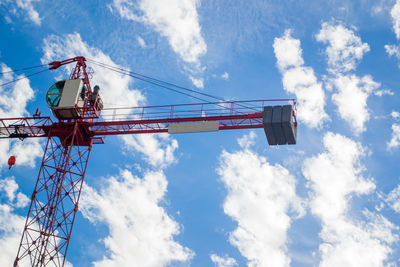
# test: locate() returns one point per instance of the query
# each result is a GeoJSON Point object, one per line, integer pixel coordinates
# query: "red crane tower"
{"type": "Point", "coordinates": [55, 199]}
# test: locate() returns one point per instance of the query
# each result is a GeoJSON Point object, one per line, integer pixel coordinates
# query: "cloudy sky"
{"type": "Point", "coordinates": [224, 198]}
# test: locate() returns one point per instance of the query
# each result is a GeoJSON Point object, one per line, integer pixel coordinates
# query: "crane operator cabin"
{"type": "Point", "coordinates": [66, 99]}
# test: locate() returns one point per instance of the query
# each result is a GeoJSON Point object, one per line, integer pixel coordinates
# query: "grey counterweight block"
{"type": "Point", "coordinates": [279, 126]}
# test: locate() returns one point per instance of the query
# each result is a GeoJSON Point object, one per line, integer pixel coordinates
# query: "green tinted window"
{"type": "Point", "coordinates": [53, 95]}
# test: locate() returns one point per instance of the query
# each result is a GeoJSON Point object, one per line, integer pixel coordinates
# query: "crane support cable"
{"type": "Point", "coordinates": [163, 84]}
{"type": "Point", "coordinates": [167, 84]}
{"type": "Point", "coordinates": [166, 87]}
{"type": "Point", "coordinates": [24, 77]}
{"type": "Point", "coordinates": [146, 78]}
{"type": "Point", "coordinates": [151, 82]}
{"type": "Point", "coordinates": [27, 68]}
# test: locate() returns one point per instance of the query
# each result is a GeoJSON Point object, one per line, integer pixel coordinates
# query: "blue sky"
{"type": "Point", "coordinates": [223, 198]}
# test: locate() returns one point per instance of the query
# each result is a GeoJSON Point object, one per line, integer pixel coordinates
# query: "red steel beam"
{"type": "Point", "coordinates": [139, 120]}
{"type": "Point", "coordinates": [231, 122]}
{"type": "Point", "coordinates": [31, 126]}
{"type": "Point", "coordinates": [39, 127]}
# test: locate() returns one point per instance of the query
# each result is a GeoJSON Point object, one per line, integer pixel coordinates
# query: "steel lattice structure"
{"type": "Point", "coordinates": [54, 202]}
{"type": "Point", "coordinates": [55, 199]}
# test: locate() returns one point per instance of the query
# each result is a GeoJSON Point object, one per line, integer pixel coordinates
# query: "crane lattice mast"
{"type": "Point", "coordinates": [55, 199]}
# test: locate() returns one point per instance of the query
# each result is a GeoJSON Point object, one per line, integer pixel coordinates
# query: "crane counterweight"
{"type": "Point", "coordinates": [279, 125]}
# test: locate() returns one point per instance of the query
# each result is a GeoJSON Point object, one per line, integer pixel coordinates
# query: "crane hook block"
{"type": "Point", "coordinates": [11, 162]}
{"type": "Point", "coordinates": [279, 125]}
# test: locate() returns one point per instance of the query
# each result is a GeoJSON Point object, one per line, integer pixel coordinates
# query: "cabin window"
{"type": "Point", "coordinates": [53, 95]}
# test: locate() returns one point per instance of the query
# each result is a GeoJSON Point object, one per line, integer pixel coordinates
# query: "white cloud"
{"type": "Point", "coordinates": [21, 8]}
{"type": "Point", "coordinates": [395, 12]}
{"type": "Point", "coordinates": [288, 51]}
{"type": "Point", "coordinates": [383, 92]}
{"type": "Point", "coordinates": [10, 188]}
{"type": "Point", "coordinates": [395, 140]}
{"type": "Point", "coordinates": [351, 99]}
{"type": "Point", "coordinates": [393, 50]}
{"type": "Point", "coordinates": [7, 19]}
{"type": "Point", "coordinates": [260, 196]}
{"type": "Point", "coordinates": [158, 150]}
{"type": "Point", "coordinates": [393, 198]}
{"type": "Point", "coordinates": [199, 83]}
{"type": "Point", "coordinates": [22, 200]}
{"type": "Point", "coordinates": [224, 261]}
{"type": "Point", "coordinates": [141, 42]}
{"type": "Point", "coordinates": [380, 7]}
{"type": "Point", "coordinates": [140, 231]}
{"type": "Point", "coordinates": [335, 176]}
{"type": "Point", "coordinates": [27, 152]}
{"type": "Point", "coordinates": [225, 76]}
{"type": "Point", "coordinates": [27, 6]}
{"type": "Point", "coordinates": [309, 94]}
{"type": "Point", "coordinates": [11, 224]}
{"type": "Point", "coordinates": [247, 140]}
{"type": "Point", "coordinates": [14, 97]}
{"type": "Point", "coordinates": [300, 80]}
{"type": "Point", "coordinates": [13, 101]}
{"type": "Point", "coordinates": [395, 114]}
{"type": "Point", "coordinates": [344, 50]}
{"type": "Point", "coordinates": [177, 20]}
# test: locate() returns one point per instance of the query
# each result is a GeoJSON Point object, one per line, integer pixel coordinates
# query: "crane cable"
{"type": "Point", "coordinates": [24, 77]}
{"type": "Point", "coordinates": [125, 72]}
{"type": "Point", "coordinates": [153, 80]}
{"type": "Point", "coordinates": [164, 85]}
{"type": "Point", "coordinates": [27, 68]}
{"type": "Point", "coordinates": [157, 82]}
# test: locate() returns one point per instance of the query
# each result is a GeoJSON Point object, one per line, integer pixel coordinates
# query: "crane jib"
{"type": "Point", "coordinates": [278, 123]}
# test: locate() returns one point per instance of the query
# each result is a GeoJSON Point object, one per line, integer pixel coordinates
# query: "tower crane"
{"type": "Point", "coordinates": [70, 138]}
